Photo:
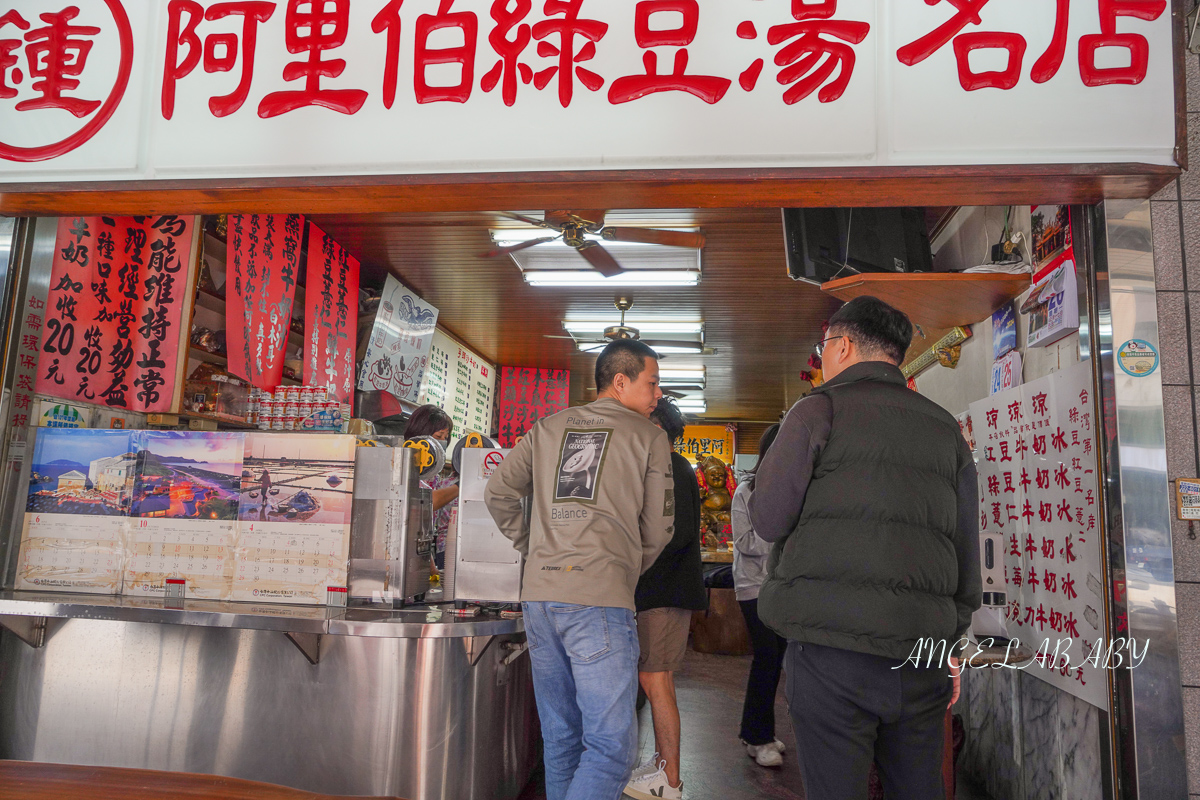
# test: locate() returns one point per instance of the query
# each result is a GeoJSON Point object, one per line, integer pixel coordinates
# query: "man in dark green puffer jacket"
{"type": "Point", "coordinates": [869, 494]}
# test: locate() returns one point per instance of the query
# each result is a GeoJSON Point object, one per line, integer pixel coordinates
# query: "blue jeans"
{"type": "Point", "coordinates": [585, 680]}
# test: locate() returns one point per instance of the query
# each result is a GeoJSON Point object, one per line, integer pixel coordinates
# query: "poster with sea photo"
{"type": "Point", "coordinates": [75, 511]}
{"type": "Point", "coordinates": [293, 535]}
{"type": "Point", "coordinates": [183, 514]}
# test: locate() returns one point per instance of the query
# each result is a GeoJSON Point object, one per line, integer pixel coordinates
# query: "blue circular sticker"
{"type": "Point", "coordinates": [1137, 357]}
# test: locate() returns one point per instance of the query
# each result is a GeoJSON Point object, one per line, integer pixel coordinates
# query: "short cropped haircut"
{"type": "Point", "coordinates": [426, 421]}
{"type": "Point", "coordinates": [622, 357]}
{"type": "Point", "coordinates": [668, 417]}
{"type": "Point", "coordinates": [877, 328]}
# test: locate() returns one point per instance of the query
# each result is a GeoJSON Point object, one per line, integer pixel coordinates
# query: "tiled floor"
{"type": "Point", "coordinates": [715, 765]}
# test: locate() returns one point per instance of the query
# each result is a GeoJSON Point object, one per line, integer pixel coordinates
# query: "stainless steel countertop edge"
{"type": "Point", "coordinates": [378, 623]}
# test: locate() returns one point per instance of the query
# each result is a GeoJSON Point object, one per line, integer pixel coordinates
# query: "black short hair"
{"type": "Point", "coordinates": [426, 421]}
{"type": "Point", "coordinates": [764, 444]}
{"type": "Point", "coordinates": [877, 328]}
{"type": "Point", "coordinates": [668, 417]}
{"type": "Point", "coordinates": [622, 357]}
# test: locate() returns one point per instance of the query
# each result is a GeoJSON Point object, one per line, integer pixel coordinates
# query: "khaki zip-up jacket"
{"type": "Point", "coordinates": [603, 503]}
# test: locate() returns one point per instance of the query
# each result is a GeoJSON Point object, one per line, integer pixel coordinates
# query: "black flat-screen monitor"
{"type": "Point", "coordinates": [827, 243]}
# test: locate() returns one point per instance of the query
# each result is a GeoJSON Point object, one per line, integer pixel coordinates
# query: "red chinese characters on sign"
{"type": "Point", "coordinates": [708, 88]}
{"type": "Point", "coordinates": [114, 311]}
{"type": "Point", "coordinates": [57, 46]}
{"type": "Point", "coordinates": [263, 261]}
{"type": "Point", "coordinates": [526, 395]}
{"type": "Point", "coordinates": [810, 60]}
{"type": "Point", "coordinates": [313, 27]}
{"type": "Point", "coordinates": [331, 315]}
{"type": "Point", "coordinates": [220, 50]}
{"type": "Point", "coordinates": [969, 12]}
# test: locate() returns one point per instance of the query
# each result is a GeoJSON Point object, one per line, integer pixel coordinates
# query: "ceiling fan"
{"type": "Point", "coordinates": [623, 331]}
{"type": "Point", "coordinates": [573, 227]}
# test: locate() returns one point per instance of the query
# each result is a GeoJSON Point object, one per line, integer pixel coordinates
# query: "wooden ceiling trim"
{"type": "Point", "coordinates": [731, 188]}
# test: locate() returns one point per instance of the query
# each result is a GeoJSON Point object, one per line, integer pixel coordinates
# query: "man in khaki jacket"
{"type": "Point", "coordinates": [603, 509]}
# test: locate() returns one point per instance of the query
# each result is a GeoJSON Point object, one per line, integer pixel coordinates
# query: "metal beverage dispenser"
{"type": "Point", "coordinates": [392, 538]}
{"type": "Point", "coordinates": [481, 563]}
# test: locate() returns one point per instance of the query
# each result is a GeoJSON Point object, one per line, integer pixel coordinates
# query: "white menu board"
{"type": "Point", "coordinates": [398, 351]}
{"type": "Point", "coordinates": [461, 383]}
{"type": "Point", "coordinates": [1036, 451]}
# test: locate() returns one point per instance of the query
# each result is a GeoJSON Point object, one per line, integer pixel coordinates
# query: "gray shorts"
{"type": "Point", "coordinates": [662, 636]}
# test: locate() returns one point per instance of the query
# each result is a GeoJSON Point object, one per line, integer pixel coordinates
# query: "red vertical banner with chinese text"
{"type": "Point", "coordinates": [528, 394]}
{"type": "Point", "coordinates": [331, 315]}
{"type": "Point", "coordinates": [119, 287]}
{"type": "Point", "coordinates": [263, 263]}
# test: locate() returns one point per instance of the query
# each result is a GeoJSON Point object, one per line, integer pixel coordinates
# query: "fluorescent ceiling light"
{"type": "Point", "coordinates": [633, 277]}
{"type": "Point", "coordinates": [646, 326]}
{"type": "Point", "coordinates": [682, 347]}
{"type": "Point", "coordinates": [695, 408]}
{"type": "Point", "coordinates": [681, 374]}
{"type": "Point", "coordinates": [510, 236]}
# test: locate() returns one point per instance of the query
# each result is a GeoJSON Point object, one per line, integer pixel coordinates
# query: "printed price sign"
{"type": "Point", "coordinates": [1187, 498]}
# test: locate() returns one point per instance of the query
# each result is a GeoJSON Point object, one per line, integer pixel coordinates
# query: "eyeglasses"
{"type": "Point", "coordinates": [820, 346]}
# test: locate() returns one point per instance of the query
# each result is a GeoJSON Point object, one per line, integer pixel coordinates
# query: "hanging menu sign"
{"type": "Point", "coordinates": [1036, 452]}
{"type": "Point", "coordinates": [331, 315]}
{"type": "Point", "coordinates": [398, 352]}
{"type": "Point", "coordinates": [528, 394]}
{"type": "Point", "coordinates": [461, 383]}
{"type": "Point", "coordinates": [263, 262]}
{"type": "Point", "coordinates": [113, 326]}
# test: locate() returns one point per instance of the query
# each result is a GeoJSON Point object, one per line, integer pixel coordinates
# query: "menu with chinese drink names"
{"type": "Point", "coordinates": [461, 383]}
{"type": "Point", "coordinates": [293, 538]}
{"type": "Point", "coordinates": [76, 510]}
{"type": "Point", "coordinates": [263, 263]}
{"type": "Point", "coordinates": [398, 351]}
{"type": "Point", "coordinates": [528, 394]}
{"type": "Point", "coordinates": [331, 316]}
{"type": "Point", "coordinates": [1038, 489]}
{"type": "Point", "coordinates": [115, 314]}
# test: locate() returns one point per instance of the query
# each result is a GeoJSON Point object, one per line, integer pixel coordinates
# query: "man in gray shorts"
{"type": "Point", "coordinates": [666, 596]}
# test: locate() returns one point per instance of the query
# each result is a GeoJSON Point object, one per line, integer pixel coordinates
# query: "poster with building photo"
{"type": "Point", "coordinates": [183, 514]}
{"type": "Point", "coordinates": [579, 465]}
{"type": "Point", "coordinates": [75, 511]}
{"type": "Point", "coordinates": [398, 351]}
{"type": "Point", "coordinates": [1038, 493]}
{"type": "Point", "coordinates": [293, 534]}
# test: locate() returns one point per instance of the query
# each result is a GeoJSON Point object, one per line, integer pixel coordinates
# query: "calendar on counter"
{"type": "Point", "coordinates": [75, 511]}
{"type": "Point", "coordinates": [183, 515]}
{"type": "Point", "coordinates": [293, 537]}
{"type": "Point", "coordinates": [197, 552]}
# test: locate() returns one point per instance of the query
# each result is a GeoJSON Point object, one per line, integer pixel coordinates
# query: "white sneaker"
{"type": "Point", "coordinates": [653, 785]}
{"type": "Point", "coordinates": [778, 745]}
{"type": "Point", "coordinates": [649, 768]}
{"type": "Point", "coordinates": [765, 754]}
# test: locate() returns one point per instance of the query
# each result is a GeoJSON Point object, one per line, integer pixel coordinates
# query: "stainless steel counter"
{"type": "Point", "coordinates": [411, 623]}
{"type": "Point", "coordinates": [414, 703]}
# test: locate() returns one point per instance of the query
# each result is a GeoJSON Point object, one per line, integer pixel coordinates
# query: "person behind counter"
{"type": "Point", "coordinates": [603, 509]}
{"type": "Point", "coordinates": [750, 553]}
{"type": "Point", "coordinates": [429, 420]}
{"type": "Point", "coordinates": [666, 596]}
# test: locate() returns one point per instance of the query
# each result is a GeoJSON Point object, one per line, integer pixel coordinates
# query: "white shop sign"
{"type": "Point", "coordinates": [116, 89]}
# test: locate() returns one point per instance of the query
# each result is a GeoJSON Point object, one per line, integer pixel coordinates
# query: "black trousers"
{"type": "Point", "coordinates": [851, 708]}
{"type": "Point", "coordinates": [758, 710]}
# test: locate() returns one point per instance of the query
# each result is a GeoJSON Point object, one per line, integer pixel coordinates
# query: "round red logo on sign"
{"type": "Point", "coordinates": [60, 51]}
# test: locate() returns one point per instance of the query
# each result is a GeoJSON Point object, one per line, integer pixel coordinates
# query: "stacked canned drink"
{"type": "Point", "coordinates": [285, 408]}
